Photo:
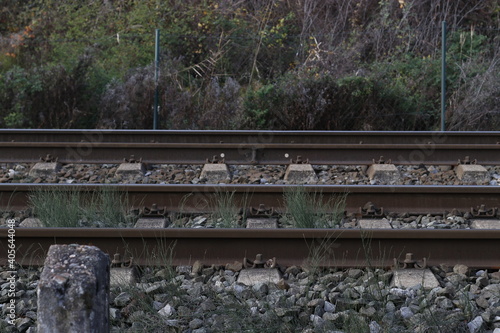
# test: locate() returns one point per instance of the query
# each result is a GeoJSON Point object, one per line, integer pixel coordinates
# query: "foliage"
{"type": "Point", "coordinates": [50, 96]}
{"type": "Point", "coordinates": [18, 85]}
{"type": "Point", "coordinates": [129, 103]}
{"type": "Point", "coordinates": [56, 208]}
{"type": "Point", "coordinates": [258, 103]}
{"type": "Point", "coordinates": [226, 213]}
{"type": "Point", "coordinates": [335, 64]}
{"type": "Point", "coordinates": [297, 100]}
{"type": "Point", "coordinates": [312, 210]}
{"type": "Point", "coordinates": [306, 100]}
{"type": "Point", "coordinates": [474, 104]}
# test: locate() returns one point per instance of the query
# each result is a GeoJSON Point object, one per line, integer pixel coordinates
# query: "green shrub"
{"type": "Point", "coordinates": [373, 65]}
{"type": "Point", "coordinates": [257, 105]}
{"type": "Point", "coordinates": [299, 100]}
{"type": "Point", "coordinates": [305, 100]}
{"type": "Point", "coordinates": [51, 96]}
{"type": "Point", "coordinates": [16, 96]}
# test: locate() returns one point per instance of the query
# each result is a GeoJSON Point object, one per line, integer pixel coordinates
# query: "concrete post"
{"type": "Point", "coordinates": [73, 291]}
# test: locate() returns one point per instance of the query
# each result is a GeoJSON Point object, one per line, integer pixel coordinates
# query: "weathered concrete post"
{"type": "Point", "coordinates": [73, 291]}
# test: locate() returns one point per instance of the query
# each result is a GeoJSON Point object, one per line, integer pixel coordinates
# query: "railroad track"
{"type": "Point", "coordinates": [334, 248]}
{"type": "Point", "coordinates": [345, 248]}
{"type": "Point", "coordinates": [313, 137]}
{"type": "Point", "coordinates": [202, 198]}
{"type": "Point", "coordinates": [250, 147]}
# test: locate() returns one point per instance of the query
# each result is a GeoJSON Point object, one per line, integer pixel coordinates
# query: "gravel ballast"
{"type": "Point", "coordinates": [240, 174]}
{"type": "Point", "coordinates": [209, 299]}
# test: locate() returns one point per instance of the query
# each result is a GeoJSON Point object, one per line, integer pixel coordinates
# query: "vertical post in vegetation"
{"type": "Point", "coordinates": [157, 69]}
{"type": "Point", "coordinates": [443, 76]}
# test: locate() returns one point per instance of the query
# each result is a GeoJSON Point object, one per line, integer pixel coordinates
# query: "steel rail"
{"type": "Point", "coordinates": [254, 137]}
{"type": "Point", "coordinates": [336, 248]}
{"type": "Point", "coordinates": [244, 153]}
{"type": "Point", "coordinates": [415, 199]}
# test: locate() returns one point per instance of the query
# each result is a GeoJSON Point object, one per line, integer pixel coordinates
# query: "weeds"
{"type": "Point", "coordinates": [320, 254]}
{"type": "Point", "coordinates": [75, 208]}
{"type": "Point", "coordinates": [178, 218]}
{"type": "Point", "coordinates": [108, 207]}
{"type": "Point", "coordinates": [355, 323]}
{"type": "Point", "coordinates": [227, 211]}
{"type": "Point", "coordinates": [56, 208]}
{"type": "Point", "coordinates": [311, 210]}
{"type": "Point", "coordinates": [6, 212]}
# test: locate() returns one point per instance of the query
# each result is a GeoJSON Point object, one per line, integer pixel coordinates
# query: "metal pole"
{"type": "Point", "coordinates": [443, 76]}
{"type": "Point", "coordinates": [157, 70]}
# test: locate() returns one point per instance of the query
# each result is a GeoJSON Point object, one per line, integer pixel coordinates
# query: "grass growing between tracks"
{"type": "Point", "coordinates": [163, 302]}
{"type": "Point", "coordinates": [375, 301]}
{"type": "Point", "coordinates": [60, 209]}
{"type": "Point", "coordinates": [6, 212]}
{"type": "Point", "coordinates": [311, 210]}
{"type": "Point", "coordinates": [226, 213]}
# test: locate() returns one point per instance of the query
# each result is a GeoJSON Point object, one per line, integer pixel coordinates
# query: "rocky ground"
{"type": "Point", "coordinates": [209, 299]}
{"type": "Point", "coordinates": [240, 174]}
{"type": "Point", "coordinates": [247, 174]}
{"type": "Point", "coordinates": [201, 299]}
{"type": "Point", "coordinates": [178, 220]}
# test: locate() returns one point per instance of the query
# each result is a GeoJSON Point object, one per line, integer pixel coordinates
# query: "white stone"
{"type": "Point", "coordinates": [475, 325]}
{"type": "Point", "coordinates": [329, 307]}
{"type": "Point", "coordinates": [406, 312]}
{"type": "Point", "coordinates": [317, 321]}
{"type": "Point", "coordinates": [166, 311]}
{"type": "Point", "coordinates": [375, 327]}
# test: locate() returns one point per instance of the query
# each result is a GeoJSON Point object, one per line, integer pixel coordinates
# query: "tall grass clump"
{"type": "Point", "coordinates": [311, 210]}
{"type": "Point", "coordinates": [58, 209]}
{"type": "Point", "coordinates": [75, 208]}
{"type": "Point", "coordinates": [108, 208]}
{"type": "Point", "coordinates": [226, 212]}
{"type": "Point", "coordinates": [178, 219]}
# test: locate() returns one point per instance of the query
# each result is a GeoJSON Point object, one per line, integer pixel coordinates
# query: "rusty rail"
{"type": "Point", "coordinates": [333, 248]}
{"type": "Point", "coordinates": [259, 137]}
{"type": "Point", "coordinates": [203, 198]}
{"type": "Point", "coordinates": [249, 147]}
{"type": "Point", "coordinates": [243, 153]}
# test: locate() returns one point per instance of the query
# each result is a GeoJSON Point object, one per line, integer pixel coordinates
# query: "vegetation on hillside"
{"type": "Point", "coordinates": [273, 64]}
